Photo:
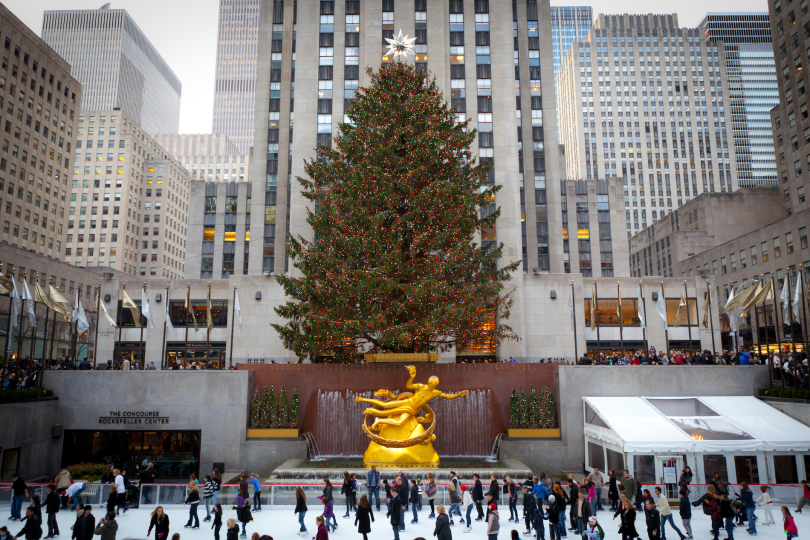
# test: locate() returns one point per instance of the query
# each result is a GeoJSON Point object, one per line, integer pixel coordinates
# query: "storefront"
{"type": "Point", "coordinates": [126, 350]}
{"type": "Point", "coordinates": [195, 352]}
{"type": "Point", "coordinates": [176, 454]}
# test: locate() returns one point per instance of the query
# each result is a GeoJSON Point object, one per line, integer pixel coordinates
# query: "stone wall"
{"type": "Point", "coordinates": [28, 427]}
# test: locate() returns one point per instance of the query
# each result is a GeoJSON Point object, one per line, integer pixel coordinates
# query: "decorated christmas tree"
{"type": "Point", "coordinates": [524, 410]}
{"type": "Point", "coordinates": [294, 408]}
{"type": "Point", "coordinates": [256, 410]}
{"type": "Point", "coordinates": [272, 409]}
{"type": "Point", "coordinates": [283, 410]}
{"type": "Point", "coordinates": [547, 408]}
{"type": "Point", "coordinates": [534, 410]}
{"type": "Point", "coordinates": [265, 410]}
{"type": "Point", "coordinates": [514, 410]}
{"type": "Point", "coordinates": [394, 265]}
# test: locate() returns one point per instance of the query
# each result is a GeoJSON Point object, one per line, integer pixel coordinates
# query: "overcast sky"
{"type": "Point", "coordinates": [185, 33]}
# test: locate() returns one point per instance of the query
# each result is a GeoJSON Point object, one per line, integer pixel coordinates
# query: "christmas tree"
{"type": "Point", "coordinates": [256, 410]}
{"type": "Point", "coordinates": [534, 410]}
{"type": "Point", "coordinates": [547, 400]}
{"type": "Point", "coordinates": [265, 414]}
{"type": "Point", "coordinates": [524, 410]}
{"type": "Point", "coordinates": [514, 410]}
{"type": "Point", "coordinates": [272, 409]}
{"type": "Point", "coordinates": [394, 265]}
{"type": "Point", "coordinates": [294, 408]}
{"type": "Point", "coordinates": [283, 410]}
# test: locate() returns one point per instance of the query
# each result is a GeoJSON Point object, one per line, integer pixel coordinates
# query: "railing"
{"type": "Point", "coordinates": [284, 494]}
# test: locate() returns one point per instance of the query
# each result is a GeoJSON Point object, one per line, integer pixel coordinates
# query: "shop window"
{"type": "Point", "coordinates": [219, 312]}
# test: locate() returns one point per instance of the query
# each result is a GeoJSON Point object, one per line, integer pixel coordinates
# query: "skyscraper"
{"type": "Point", "coordinates": [117, 66]}
{"type": "Point", "coordinates": [568, 24]}
{"type": "Point", "coordinates": [752, 88]}
{"type": "Point", "coordinates": [235, 89]}
{"type": "Point", "coordinates": [667, 134]}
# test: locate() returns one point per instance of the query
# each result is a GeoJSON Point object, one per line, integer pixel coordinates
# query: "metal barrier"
{"type": "Point", "coordinates": [284, 494]}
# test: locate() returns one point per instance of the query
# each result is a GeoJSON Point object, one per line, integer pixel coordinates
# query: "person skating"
{"type": "Point", "coordinates": [364, 517]}
{"type": "Point", "coordinates": [373, 486]}
{"type": "Point", "coordinates": [788, 525]}
{"type": "Point", "coordinates": [512, 493]}
{"type": "Point", "coordinates": [301, 509]}
{"type": "Point", "coordinates": [561, 498]}
{"type": "Point", "coordinates": [627, 528]}
{"type": "Point", "coordinates": [666, 515]}
{"type": "Point", "coordinates": [613, 491]}
{"type": "Point", "coordinates": [217, 524]}
{"type": "Point", "coordinates": [594, 530]}
{"type": "Point", "coordinates": [107, 527]}
{"type": "Point", "coordinates": [395, 513]}
{"type": "Point", "coordinates": [747, 498]}
{"type": "Point", "coordinates": [653, 519]}
{"type": "Point", "coordinates": [494, 488]}
{"type": "Point", "coordinates": [160, 522]}
{"type": "Point", "coordinates": [414, 500]}
{"type": "Point", "coordinates": [208, 494]}
{"type": "Point", "coordinates": [528, 509]}
{"type": "Point", "coordinates": [442, 529]}
{"type": "Point", "coordinates": [467, 503]}
{"type": "Point", "coordinates": [73, 493]}
{"type": "Point", "coordinates": [328, 513]}
{"type": "Point", "coordinates": [766, 505]}
{"type": "Point", "coordinates": [455, 498]}
{"type": "Point", "coordinates": [629, 484]}
{"type": "Point", "coordinates": [685, 510]}
{"type": "Point", "coordinates": [233, 530]}
{"type": "Point", "coordinates": [553, 510]}
{"type": "Point", "coordinates": [596, 478]}
{"type": "Point", "coordinates": [805, 499]}
{"type": "Point", "coordinates": [323, 530]}
{"type": "Point", "coordinates": [257, 492]}
{"type": "Point", "coordinates": [84, 526]}
{"type": "Point", "coordinates": [216, 479]}
{"type": "Point", "coordinates": [478, 496]}
{"type": "Point", "coordinates": [63, 480]}
{"type": "Point", "coordinates": [328, 498]}
{"type": "Point", "coordinates": [245, 517]}
{"type": "Point", "coordinates": [537, 523]}
{"type": "Point", "coordinates": [582, 512]}
{"type": "Point", "coordinates": [32, 530]}
{"type": "Point", "coordinates": [193, 500]}
{"type": "Point", "coordinates": [52, 506]}
{"type": "Point", "coordinates": [430, 491]}
{"type": "Point", "coordinates": [19, 492]}
{"type": "Point", "coordinates": [493, 524]}
{"type": "Point", "coordinates": [403, 493]}
{"type": "Point", "coordinates": [346, 491]}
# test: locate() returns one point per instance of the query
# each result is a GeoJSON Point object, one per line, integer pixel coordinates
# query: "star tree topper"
{"type": "Point", "coordinates": [400, 46]}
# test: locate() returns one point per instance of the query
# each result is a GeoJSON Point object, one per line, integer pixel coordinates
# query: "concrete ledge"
{"type": "Point", "coordinates": [27, 400]}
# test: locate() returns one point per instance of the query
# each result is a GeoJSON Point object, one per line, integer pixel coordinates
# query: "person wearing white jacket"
{"type": "Point", "coordinates": [764, 501]}
{"type": "Point", "coordinates": [466, 501]}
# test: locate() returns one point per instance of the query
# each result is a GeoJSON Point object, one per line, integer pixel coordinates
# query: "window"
{"type": "Point", "coordinates": [800, 194]}
{"type": "Point", "coordinates": [789, 242]}
{"type": "Point", "coordinates": [803, 238]}
{"type": "Point", "coordinates": [764, 248]}
{"type": "Point", "coordinates": [777, 249]}
{"type": "Point", "coordinates": [723, 265]}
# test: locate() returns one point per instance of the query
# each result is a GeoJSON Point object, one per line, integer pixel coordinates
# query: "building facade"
{"type": "Point", "coordinates": [208, 158]}
{"type": "Point", "coordinates": [753, 92]}
{"type": "Point", "coordinates": [117, 65]}
{"type": "Point", "coordinates": [237, 56]}
{"type": "Point", "coordinates": [40, 106]}
{"type": "Point", "coordinates": [129, 200]}
{"type": "Point", "coordinates": [568, 24]}
{"type": "Point", "coordinates": [667, 133]}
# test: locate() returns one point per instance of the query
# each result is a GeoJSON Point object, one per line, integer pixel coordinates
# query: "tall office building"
{"type": "Point", "coordinates": [568, 24]}
{"type": "Point", "coordinates": [207, 157]}
{"type": "Point", "coordinates": [667, 132]}
{"type": "Point", "coordinates": [752, 88]}
{"type": "Point", "coordinates": [237, 52]}
{"type": "Point", "coordinates": [40, 102]}
{"type": "Point", "coordinates": [117, 66]}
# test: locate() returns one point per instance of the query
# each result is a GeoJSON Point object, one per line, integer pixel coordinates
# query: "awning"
{"type": "Point", "coordinates": [708, 424]}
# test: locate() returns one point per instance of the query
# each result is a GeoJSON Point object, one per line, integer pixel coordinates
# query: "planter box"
{"type": "Point", "coordinates": [402, 357]}
{"type": "Point", "coordinates": [535, 433]}
{"type": "Point", "coordinates": [272, 433]}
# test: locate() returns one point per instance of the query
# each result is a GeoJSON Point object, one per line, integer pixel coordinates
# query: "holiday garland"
{"type": "Point", "coordinates": [533, 412]}
{"type": "Point", "coordinates": [269, 412]}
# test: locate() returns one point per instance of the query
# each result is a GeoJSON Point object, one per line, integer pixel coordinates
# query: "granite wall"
{"type": "Point", "coordinates": [27, 428]}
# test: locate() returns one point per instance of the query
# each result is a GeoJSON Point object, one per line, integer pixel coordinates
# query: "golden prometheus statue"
{"type": "Point", "coordinates": [402, 439]}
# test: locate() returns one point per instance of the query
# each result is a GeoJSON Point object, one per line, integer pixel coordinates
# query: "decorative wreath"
{"type": "Point", "coordinates": [428, 418]}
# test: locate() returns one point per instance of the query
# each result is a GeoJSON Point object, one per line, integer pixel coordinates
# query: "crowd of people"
{"type": "Point", "coordinates": [542, 500]}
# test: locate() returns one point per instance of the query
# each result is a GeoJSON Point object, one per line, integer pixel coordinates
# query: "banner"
{"type": "Point", "coordinates": [79, 317]}
{"type": "Point", "coordinates": [640, 308]}
{"type": "Point", "coordinates": [167, 315]}
{"type": "Point", "coordinates": [661, 308]}
{"type": "Point", "coordinates": [145, 310]}
{"type": "Point", "coordinates": [133, 308]}
{"type": "Point", "coordinates": [59, 303]}
{"type": "Point", "coordinates": [239, 310]}
{"type": "Point", "coordinates": [762, 294]}
{"type": "Point", "coordinates": [190, 309]}
{"type": "Point", "coordinates": [106, 315]}
{"type": "Point", "coordinates": [706, 303]}
{"type": "Point", "coordinates": [681, 305]}
{"type": "Point", "coordinates": [29, 305]}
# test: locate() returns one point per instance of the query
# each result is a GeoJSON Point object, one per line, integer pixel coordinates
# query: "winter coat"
{"type": "Point", "coordinates": [84, 527]}
{"type": "Point", "coordinates": [629, 486]}
{"type": "Point", "coordinates": [613, 489]}
{"type": "Point", "coordinates": [540, 491]}
{"type": "Point", "coordinates": [322, 534]}
{"type": "Point", "coordinates": [537, 521]}
{"type": "Point", "coordinates": [653, 521]}
{"type": "Point", "coordinates": [584, 509]}
{"type": "Point", "coordinates": [554, 510]}
{"type": "Point", "coordinates": [414, 494]}
{"type": "Point", "coordinates": [32, 529]}
{"type": "Point", "coordinates": [720, 485]}
{"type": "Point", "coordinates": [300, 504]}
{"type": "Point", "coordinates": [364, 517]}
{"type": "Point", "coordinates": [685, 508]}
{"type": "Point", "coordinates": [528, 505]}
{"type": "Point", "coordinates": [494, 489]}
{"type": "Point", "coordinates": [193, 497]}
{"type": "Point", "coordinates": [663, 505]}
{"type": "Point", "coordinates": [208, 489]}
{"type": "Point", "coordinates": [245, 516]}
{"type": "Point", "coordinates": [52, 503]}
{"type": "Point", "coordinates": [748, 498]}
{"type": "Point", "coordinates": [62, 480]}
{"type": "Point", "coordinates": [233, 533]}
{"type": "Point", "coordinates": [686, 478]}
{"type": "Point", "coordinates": [788, 525]}
{"type": "Point", "coordinates": [705, 501]}
{"type": "Point", "coordinates": [442, 530]}
{"type": "Point", "coordinates": [107, 530]}
{"type": "Point", "coordinates": [512, 490]}
{"type": "Point", "coordinates": [402, 493]}
{"type": "Point", "coordinates": [346, 488]}
{"type": "Point", "coordinates": [493, 525]}
{"type": "Point", "coordinates": [478, 491]}
{"type": "Point", "coordinates": [628, 526]}
{"type": "Point", "coordinates": [161, 526]}
{"type": "Point", "coordinates": [327, 493]}
{"type": "Point", "coordinates": [327, 509]}
{"type": "Point", "coordinates": [395, 513]}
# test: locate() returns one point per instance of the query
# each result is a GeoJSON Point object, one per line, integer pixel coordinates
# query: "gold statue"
{"type": "Point", "coordinates": [402, 438]}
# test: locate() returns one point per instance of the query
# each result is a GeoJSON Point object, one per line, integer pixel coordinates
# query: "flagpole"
{"type": "Point", "coordinates": [20, 332]}
{"type": "Point", "coordinates": [776, 318]}
{"type": "Point", "coordinates": [620, 312]}
{"type": "Point", "coordinates": [208, 326]}
{"type": "Point", "coordinates": [666, 323]}
{"type": "Point", "coordinates": [8, 323]}
{"type": "Point", "coordinates": [574, 314]}
{"type": "Point", "coordinates": [804, 308]}
{"type": "Point", "coordinates": [711, 321]}
{"type": "Point", "coordinates": [730, 326]}
{"type": "Point", "coordinates": [74, 336]}
{"type": "Point", "coordinates": [688, 318]}
{"type": "Point", "coordinates": [790, 313]}
{"type": "Point", "coordinates": [143, 345]}
{"type": "Point", "coordinates": [596, 316]}
{"type": "Point", "coordinates": [644, 307]}
{"type": "Point", "coordinates": [188, 306]}
{"type": "Point", "coordinates": [98, 320]}
{"type": "Point", "coordinates": [34, 332]}
{"type": "Point", "coordinates": [120, 320]}
{"type": "Point", "coordinates": [765, 330]}
{"type": "Point", "coordinates": [47, 320]}
{"type": "Point", "coordinates": [233, 323]}
{"type": "Point", "coordinates": [55, 331]}
{"type": "Point", "coordinates": [165, 317]}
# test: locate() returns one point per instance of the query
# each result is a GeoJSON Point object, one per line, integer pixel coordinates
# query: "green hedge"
{"type": "Point", "coordinates": [91, 472]}
{"type": "Point", "coordinates": [23, 394]}
{"type": "Point", "coordinates": [784, 393]}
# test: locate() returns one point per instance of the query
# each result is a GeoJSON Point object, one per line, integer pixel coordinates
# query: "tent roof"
{"type": "Point", "coordinates": [695, 424]}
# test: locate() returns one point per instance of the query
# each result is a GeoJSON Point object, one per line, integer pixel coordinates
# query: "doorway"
{"type": "Point", "coordinates": [670, 468]}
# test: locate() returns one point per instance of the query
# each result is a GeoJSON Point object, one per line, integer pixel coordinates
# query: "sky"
{"type": "Point", "coordinates": [185, 33]}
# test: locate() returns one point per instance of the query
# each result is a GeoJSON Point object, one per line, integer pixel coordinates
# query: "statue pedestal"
{"type": "Point", "coordinates": [420, 455]}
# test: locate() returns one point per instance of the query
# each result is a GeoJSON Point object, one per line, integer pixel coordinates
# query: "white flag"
{"type": "Point", "coordinates": [785, 301]}
{"type": "Point", "coordinates": [661, 308]}
{"type": "Point", "coordinates": [16, 306]}
{"type": "Point", "coordinates": [573, 309]}
{"type": "Point", "coordinates": [29, 306]}
{"type": "Point", "coordinates": [732, 315]}
{"type": "Point", "coordinates": [167, 315]}
{"type": "Point", "coordinates": [145, 310]}
{"type": "Point", "coordinates": [797, 302]}
{"type": "Point", "coordinates": [79, 317]}
{"type": "Point", "coordinates": [640, 308]}
{"type": "Point", "coordinates": [238, 311]}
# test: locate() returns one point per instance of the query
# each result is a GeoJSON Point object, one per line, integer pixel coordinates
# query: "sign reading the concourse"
{"type": "Point", "coordinates": [133, 418]}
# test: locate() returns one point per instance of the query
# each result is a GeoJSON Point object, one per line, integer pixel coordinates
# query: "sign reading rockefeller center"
{"type": "Point", "coordinates": [133, 417]}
